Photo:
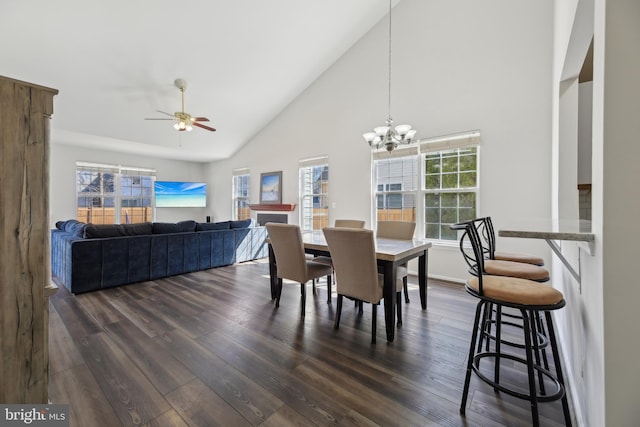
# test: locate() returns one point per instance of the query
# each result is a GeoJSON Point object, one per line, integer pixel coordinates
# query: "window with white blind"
{"type": "Point", "coordinates": [240, 192]}
{"type": "Point", "coordinates": [314, 193]}
{"type": "Point", "coordinates": [113, 194]}
{"type": "Point", "coordinates": [439, 175]}
{"type": "Point", "coordinates": [396, 180]}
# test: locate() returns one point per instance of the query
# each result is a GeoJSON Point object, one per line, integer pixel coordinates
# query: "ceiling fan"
{"type": "Point", "coordinates": [184, 121]}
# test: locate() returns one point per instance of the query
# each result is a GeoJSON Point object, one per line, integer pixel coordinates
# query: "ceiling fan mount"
{"type": "Point", "coordinates": [184, 121]}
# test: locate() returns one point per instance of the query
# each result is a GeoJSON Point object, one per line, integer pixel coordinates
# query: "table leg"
{"type": "Point", "coordinates": [423, 264]}
{"type": "Point", "coordinates": [273, 273]}
{"type": "Point", "coordinates": [389, 294]}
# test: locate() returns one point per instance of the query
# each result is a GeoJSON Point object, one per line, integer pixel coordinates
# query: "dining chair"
{"type": "Point", "coordinates": [291, 263]}
{"type": "Point", "coordinates": [354, 260]}
{"type": "Point", "coordinates": [351, 223]}
{"type": "Point", "coordinates": [531, 299]}
{"type": "Point", "coordinates": [326, 260]}
{"type": "Point", "coordinates": [402, 230]}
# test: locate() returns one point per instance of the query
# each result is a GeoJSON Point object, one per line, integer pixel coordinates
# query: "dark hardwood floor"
{"type": "Point", "coordinates": [210, 349]}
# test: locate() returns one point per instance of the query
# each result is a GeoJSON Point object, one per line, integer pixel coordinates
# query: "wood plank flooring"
{"type": "Point", "coordinates": [209, 349]}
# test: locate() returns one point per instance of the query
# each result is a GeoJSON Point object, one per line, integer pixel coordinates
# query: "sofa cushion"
{"type": "Point", "coordinates": [77, 230]}
{"type": "Point", "coordinates": [67, 225]}
{"type": "Point", "coordinates": [165, 228]}
{"type": "Point", "coordinates": [245, 223]}
{"type": "Point", "coordinates": [139, 229]}
{"type": "Point", "coordinates": [101, 231]}
{"type": "Point", "coordinates": [186, 226]}
{"type": "Point", "coordinates": [206, 226]}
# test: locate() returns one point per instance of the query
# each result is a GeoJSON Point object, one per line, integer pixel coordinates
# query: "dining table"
{"type": "Point", "coordinates": [390, 253]}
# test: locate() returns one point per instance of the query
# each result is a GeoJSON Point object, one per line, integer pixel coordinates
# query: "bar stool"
{"type": "Point", "coordinates": [522, 266]}
{"type": "Point", "coordinates": [488, 234]}
{"type": "Point", "coordinates": [531, 299]}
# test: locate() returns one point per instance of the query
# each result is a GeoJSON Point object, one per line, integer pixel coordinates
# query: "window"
{"type": "Point", "coordinates": [240, 191]}
{"type": "Point", "coordinates": [113, 194]}
{"type": "Point", "coordinates": [314, 193]}
{"type": "Point", "coordinates": [448, 187]}
{"type": "Point", "coordinates": [396, 181]}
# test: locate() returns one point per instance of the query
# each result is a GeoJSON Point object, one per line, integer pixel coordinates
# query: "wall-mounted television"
{"type": "Point", "coordinates": [180, 194]}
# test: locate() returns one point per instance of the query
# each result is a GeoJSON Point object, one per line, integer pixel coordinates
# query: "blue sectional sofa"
{"type": "Point", "coordinates": [88, 257]}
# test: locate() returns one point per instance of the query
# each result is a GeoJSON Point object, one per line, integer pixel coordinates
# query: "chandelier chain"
{"type": "Point", "coordinates": [389, 100]}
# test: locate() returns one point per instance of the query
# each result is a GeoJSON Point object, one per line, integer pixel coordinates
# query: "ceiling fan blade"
{"type": "Point", "coordinates": [157, 118]}
{"type": "Point", "coordinates": [200, 119]}
{"type": "Point", "coordinates": [203, 126]}
{"type": "Point", "coordinates": [168, 114]}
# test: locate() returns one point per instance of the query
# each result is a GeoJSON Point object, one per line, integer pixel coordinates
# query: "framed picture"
{"type": "Point", "coordinates": [271, 188]}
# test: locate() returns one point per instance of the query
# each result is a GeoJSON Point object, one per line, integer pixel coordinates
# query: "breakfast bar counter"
{"type": "Point", "coordinates": [552, 231]}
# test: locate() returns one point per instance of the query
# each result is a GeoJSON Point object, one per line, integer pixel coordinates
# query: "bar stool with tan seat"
{"type": "Point", "coordinates": [401, 230]}
{"type": "Point", "coordinates": [509, 268]}
{"type": "Point", "coordinates": [504, 267]}
{"type": "Point", "coordinates": [530, 299]}
{"type": "Point", "coordinates": [291, 263]}
{"type": "Point", "coordinates": [487, 233]}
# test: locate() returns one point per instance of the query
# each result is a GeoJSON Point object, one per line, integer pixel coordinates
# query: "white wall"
{"type": "Point", "coordinates": [62, 182]}
{"type": "Point", "coordinates": [457, 65]}
{"type": "Point", "coordinates": [597, 326]}
{"type": "Point", "coordinates": [617, 102]}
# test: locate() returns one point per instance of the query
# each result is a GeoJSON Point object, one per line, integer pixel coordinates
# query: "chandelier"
{"type": "Point", "coordinates": [389, 136]}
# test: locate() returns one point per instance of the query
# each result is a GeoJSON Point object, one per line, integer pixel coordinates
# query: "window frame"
{"type": "Point", "coordinates": [238, 174]}
{"type": "Point", "coordinates": [316, 220]}
{"type": "Point", "coordinates": [123, 204]}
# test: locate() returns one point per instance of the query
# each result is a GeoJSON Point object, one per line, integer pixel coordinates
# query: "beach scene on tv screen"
{"type": "Point", "coordinates": [177, 194]}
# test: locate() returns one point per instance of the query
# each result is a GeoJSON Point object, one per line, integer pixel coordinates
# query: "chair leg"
{"type": "Point", "coordinates": [336, 325]}
{"type": "Point", "coordinates": [329, 289]}
{"type": "Point", "coordinates": [399, 308]}
{"type": "Point", "coordinates": [556, 361]}
{"type": "Point", "coordinates": [303, 298]}
{"type": "Point", "coordinates": [474, 336]}
{"type": "Point", "coordinates": [374, 316]}
{"type": "Point", "coordinates": [405, 281]}
{"type": "Point", "coordinates": [279, 282]}
{"type": "Point", "coordinates": [533, 399]}
{"type": "Point", "coordinates": [496, 369]}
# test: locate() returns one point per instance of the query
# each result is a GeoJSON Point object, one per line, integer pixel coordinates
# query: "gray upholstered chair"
{"type": "Point", "coordinates": [326, 260]}
{"type": "Point", "coordinates": [401, 230]}
{"type": "Point", "coordinates": [291, 263]}
{"type": "Point", "coordinates": [354, 261]}
{"type": "Point", "coordinates": [351, 223]}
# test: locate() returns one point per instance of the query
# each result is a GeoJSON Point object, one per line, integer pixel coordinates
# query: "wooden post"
{"type": "Point", "coordinates": [25, 269]}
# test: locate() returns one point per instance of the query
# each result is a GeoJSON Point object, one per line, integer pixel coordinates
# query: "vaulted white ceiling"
{"type": "Point", "coordinates": [114, 63]}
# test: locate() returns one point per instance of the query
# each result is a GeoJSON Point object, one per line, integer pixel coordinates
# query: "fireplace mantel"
{"type": "Point", "coordinates": [286, 207]}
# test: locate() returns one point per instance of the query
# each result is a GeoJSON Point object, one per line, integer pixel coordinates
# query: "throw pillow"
{"type": "Point", "coordinates": [245, 223]}
{"type": "Point", "coordinates": [165, 228]}
{"type": "Point", "coordinates": [206, 226]}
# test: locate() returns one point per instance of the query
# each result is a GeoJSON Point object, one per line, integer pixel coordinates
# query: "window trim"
{"type": "Point", "coordinates": [305, 164]}
{"type": "Point", "coordinates": [118, 171]}
{"type": "Point", "coordinates": [234, 196]}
